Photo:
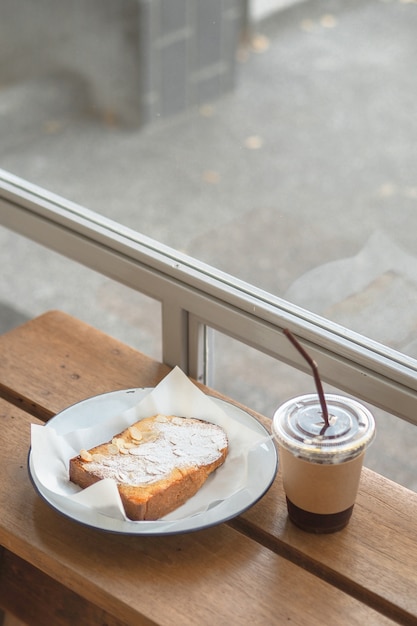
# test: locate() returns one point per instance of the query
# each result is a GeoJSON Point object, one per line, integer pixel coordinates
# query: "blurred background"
{"type": "Point", "coordinates": [274, 140]}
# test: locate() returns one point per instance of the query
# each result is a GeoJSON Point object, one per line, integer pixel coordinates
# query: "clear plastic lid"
{"type": "Point", "coordinates": [299, 426]}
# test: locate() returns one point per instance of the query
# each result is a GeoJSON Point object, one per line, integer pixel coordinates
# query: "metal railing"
{"type": "Point", "coordinates": [196, 297]}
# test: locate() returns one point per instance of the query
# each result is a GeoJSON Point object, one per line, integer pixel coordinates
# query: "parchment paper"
{"type": "Point", "coordinates": [175, 395]}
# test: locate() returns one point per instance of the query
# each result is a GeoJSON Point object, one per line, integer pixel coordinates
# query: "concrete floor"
{"type": "Point", "coordinates": [301, 181]}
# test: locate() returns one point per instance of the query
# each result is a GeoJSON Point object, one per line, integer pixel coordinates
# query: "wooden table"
{"type": "Point", "coordinates": [256, 569]}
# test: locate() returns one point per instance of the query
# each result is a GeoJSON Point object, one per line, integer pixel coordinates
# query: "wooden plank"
{"type": "Point", "coordinates": [213, 576]}
{"type": "Point", "coordinates": [366, 547]}
{"type": "Point", "coordinates": [54, 352]}
{"type": "Point", "coordinates": [7, 619]}
{"type": "Point", "coordinates": [374, 558]}
{"type": "Point", "coordinates": [30, 596]}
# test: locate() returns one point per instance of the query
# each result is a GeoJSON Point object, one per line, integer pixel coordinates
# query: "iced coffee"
{"type": "Point", "coordinates": [321, 461]}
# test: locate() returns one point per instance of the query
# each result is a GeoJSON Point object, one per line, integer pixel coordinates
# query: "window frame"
{"type": "Point", "coordinates": [196, 297]}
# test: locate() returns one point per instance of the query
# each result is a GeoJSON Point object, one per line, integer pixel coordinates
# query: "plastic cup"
{"type": "Point", "coordinates": [321, 466]}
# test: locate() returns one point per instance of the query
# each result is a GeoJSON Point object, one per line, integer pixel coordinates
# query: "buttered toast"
{"type": "Point", "coordinates": [158, 463]}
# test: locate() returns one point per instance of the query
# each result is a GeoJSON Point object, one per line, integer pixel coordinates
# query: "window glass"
{"type": "Point", "coordinates": [34, 280]}
{"type": "Point", "coordinates": [271, 139]}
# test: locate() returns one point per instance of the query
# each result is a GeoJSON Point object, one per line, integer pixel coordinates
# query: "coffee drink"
{"type": "Point", "coordinates": [321, 464]}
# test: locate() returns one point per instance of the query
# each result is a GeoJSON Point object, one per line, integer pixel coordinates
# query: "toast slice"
{"type": "Point", "coordinates": [158, 463]}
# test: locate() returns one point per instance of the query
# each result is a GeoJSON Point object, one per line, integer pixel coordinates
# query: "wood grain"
{"type": "Point", "coordinates": [54, 352]}
{"type": "Point", "coordinates": [77, 361]}
{"type": "Point", "coordinates": [215, 576]}
{"type": "Point", "coordinates": [38, 599]}
{"type": "Point", "coordinates": [374, 558]}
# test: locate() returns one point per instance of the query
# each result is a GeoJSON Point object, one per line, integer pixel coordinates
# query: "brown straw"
{"type": "Point", "coordinates": [314, 367]}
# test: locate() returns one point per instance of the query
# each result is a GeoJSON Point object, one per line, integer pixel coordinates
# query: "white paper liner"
{"type": "Point", "coordinates": [175, 395]}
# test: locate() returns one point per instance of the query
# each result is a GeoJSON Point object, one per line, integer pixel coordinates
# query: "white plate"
{"type": "Point", "coordinates": [262, 467]}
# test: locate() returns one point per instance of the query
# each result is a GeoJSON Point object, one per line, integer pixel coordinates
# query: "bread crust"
{"type": "Point", "coordinates": [158, 463]}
